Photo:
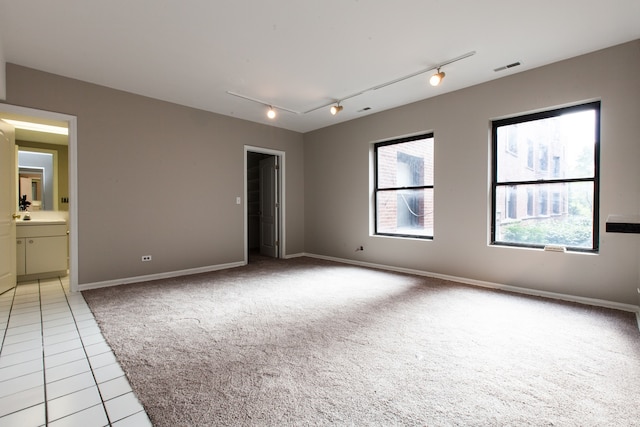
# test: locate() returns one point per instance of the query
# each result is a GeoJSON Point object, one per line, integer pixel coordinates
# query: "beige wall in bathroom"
{"type": "Point", "coordinates": [156, 178]}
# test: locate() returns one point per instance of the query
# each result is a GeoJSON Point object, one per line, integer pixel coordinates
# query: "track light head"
{"type": "Point", "coordinates": [271, 113]}
{"type": "Point", "coordinates": [335, 109]}
{"type": "Point", "coordinates": [436, 78]}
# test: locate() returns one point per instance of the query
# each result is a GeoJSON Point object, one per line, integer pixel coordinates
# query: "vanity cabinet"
{"type": "Point", "coordinates": [41, 249]}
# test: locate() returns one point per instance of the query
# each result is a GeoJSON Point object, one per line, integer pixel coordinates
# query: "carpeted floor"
{"type": "Point", "coordinates": [311, 342]}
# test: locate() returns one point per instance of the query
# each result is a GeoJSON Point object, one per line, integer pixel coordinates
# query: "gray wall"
{"type": "Point", "coordinates": [158, 178]}
{"type": "Point", "coordinates": [161, 179]}
{"type": "Point", "coordinates": [337, 180]}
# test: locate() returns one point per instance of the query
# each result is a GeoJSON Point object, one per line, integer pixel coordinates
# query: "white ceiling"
{"type": "Point", "coordinates": [302, 54]}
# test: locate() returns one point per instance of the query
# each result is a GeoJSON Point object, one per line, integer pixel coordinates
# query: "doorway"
{"type": "Point", "coordinates": [264, 207]}
{"type": "Point", "coordinates": [30, 115]}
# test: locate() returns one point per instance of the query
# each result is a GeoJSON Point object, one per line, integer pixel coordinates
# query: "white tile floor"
{"type": "Point", "coordinates": [56, 369]}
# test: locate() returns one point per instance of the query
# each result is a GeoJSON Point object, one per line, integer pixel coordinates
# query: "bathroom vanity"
{"type": "Point", "coordinates": [42, 249]}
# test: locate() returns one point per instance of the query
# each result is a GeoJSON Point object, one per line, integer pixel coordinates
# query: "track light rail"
{"type": "Point", "coordinates": [353, 95]}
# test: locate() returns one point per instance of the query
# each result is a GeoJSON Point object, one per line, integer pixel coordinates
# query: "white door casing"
{"type": "Point", "coordinates": [8, 203]}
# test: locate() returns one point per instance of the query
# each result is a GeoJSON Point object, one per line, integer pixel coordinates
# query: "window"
{"type": "Point", "coordinates": [562, 191]}
{"type": "Point", "coordinates": [542, 201]}
{"type": "Point", "coordinates": [556, 166]}
{"type": "Point", "coordinates": [556, 203]}
{"type": "Point", "coordinates": [512, 202]}
{"type": "Point", "coordinates": [543, 158]}
{"type": "Point", "coordinates": [529, 201]}
{"type": "Point", "coordinates": [404, 187]}
{"type": "Point", "coordinates": [512, 142]}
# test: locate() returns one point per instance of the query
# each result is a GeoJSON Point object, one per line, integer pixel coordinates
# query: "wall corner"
{"type": "Point", "coordinates": [3, 75]}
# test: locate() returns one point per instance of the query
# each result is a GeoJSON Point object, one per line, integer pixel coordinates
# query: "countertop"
{"type": "Point", "coordinates": [22, 222]}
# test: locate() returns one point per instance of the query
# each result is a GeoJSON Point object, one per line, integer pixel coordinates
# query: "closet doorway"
{"type": "Point", "coordinates": [264, 203]}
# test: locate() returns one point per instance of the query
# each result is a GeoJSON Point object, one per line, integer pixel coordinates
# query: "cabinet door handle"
{"type": "Point", "coordinates": [30, 241]}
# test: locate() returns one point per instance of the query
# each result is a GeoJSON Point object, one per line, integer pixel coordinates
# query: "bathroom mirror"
{"type": "Point", "coordinates": [37, 179]}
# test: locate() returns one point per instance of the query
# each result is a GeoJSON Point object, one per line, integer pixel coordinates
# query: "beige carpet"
{"type": "Point", "coordinates": [311, 342]}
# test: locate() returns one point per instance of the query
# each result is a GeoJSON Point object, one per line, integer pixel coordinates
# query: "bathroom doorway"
{"type": "Point", "coordinates": [51, 142]}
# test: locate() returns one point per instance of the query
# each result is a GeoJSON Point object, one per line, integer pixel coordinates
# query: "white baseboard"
{"type": "Point", "coordinates": [165, 275]}
{"type": "Point", "coordinates": [552, 295]}
{"type": "Point", "coordinates": [491, 285]}
{"type": "Point", "coordinates": [298, 255]}
{"type": "Point", "coordinates": [168, 275]}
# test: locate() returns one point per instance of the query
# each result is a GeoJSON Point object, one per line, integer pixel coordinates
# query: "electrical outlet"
{"type": "Point", "coordinates": [146, 257]}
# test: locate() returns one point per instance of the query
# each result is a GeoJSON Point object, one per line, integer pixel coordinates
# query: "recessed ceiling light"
{"type": "Point", "coordinates": [37, 127]}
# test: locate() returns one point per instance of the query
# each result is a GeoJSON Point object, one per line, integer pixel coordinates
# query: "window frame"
{"type": "Point", "coordinates": [377, 189]}
{"type": "Point", "coordinates": [595, 179]}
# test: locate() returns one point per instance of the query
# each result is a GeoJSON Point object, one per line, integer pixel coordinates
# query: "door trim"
{"type": "Point", "coordinates": [73, 178]}
{"type": "Point", "coordinates": [281, 193]}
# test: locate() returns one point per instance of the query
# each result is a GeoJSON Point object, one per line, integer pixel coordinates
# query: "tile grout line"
{"type": "Point", "coordinates": [46, 292]}
{"type": "Point", "coordinates": [6, 329]}
{"type": "Point", "coordinates": [44, 368]}
{"type": "Point", "coordinates": [11, 307]}
{"type": "Point", "coordinates": [104, 406]}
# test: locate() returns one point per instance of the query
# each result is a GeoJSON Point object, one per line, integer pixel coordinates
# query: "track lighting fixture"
{"type": "Point", "coordinates": [336, 107]}
{"type": "Point", "coordinates": [436, 78]}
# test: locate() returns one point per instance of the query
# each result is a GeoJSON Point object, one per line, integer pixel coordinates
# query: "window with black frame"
{"type": "Point", "coordinates": [404, 187]}
{"type": "Point", "coordinates": [533, 204]}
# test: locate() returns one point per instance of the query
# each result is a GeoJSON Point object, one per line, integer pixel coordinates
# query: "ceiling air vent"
{"type": "Point", "coordinates": [515, 64]}
{"type": "Point", "coordinates": [364, 109]}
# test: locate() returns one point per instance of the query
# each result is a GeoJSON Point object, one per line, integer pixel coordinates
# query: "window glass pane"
{"type": "Point", "coordinates": [405, 164]}
{"type": "Point", "coordinates": [545, 214]}
{"type": "Point", "coordinates": [560, 147]}
{"type": "Point", "coordinates": [405, 212]}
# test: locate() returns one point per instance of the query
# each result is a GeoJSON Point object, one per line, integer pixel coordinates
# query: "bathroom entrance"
{"type": "Point", "coordinates": [39, 132]}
